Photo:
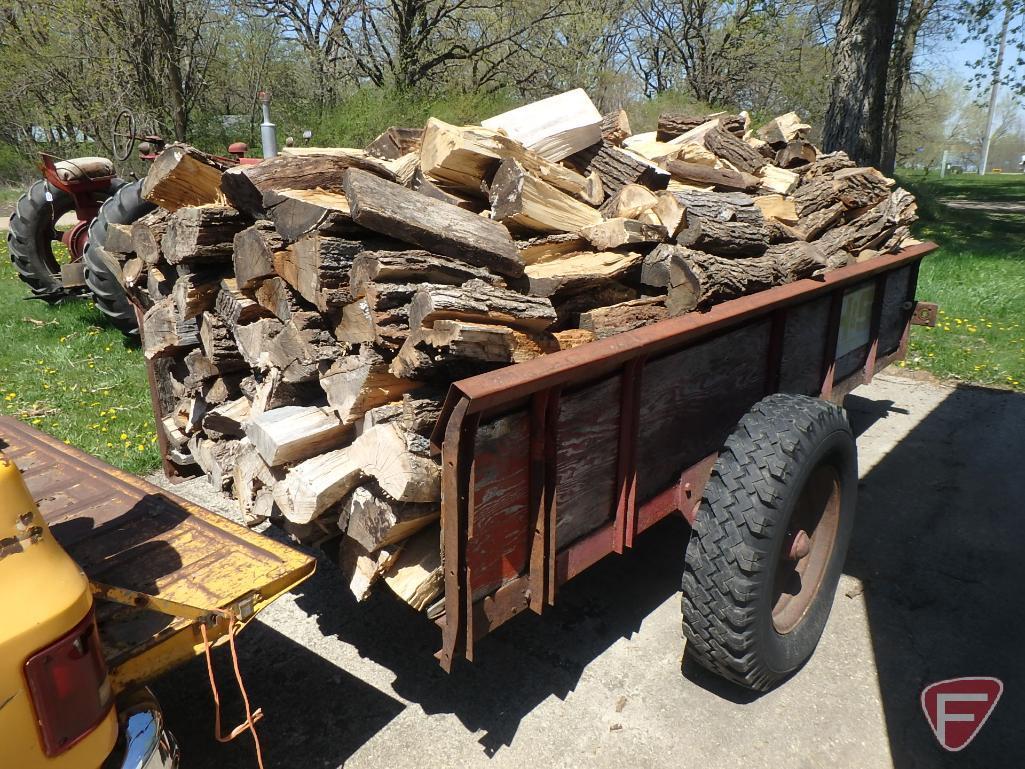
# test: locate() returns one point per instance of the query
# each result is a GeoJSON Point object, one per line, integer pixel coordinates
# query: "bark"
{"type": "Point", "coordinates": [899, 76]}
{"type": "Point", "coordinates": [854, 119]}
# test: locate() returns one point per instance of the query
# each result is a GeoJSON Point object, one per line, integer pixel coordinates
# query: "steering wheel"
{"type": "Point", "coordinates": [122, 135]}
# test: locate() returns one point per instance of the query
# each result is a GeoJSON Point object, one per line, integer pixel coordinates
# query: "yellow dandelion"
{"type": "Point", "coordinates": [37, 421]}
{"type": "Point", "coordinates": [124, 436]}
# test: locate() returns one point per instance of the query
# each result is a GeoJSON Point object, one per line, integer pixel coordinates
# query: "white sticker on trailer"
{"type": "Point", "coordinates": [855, 319]}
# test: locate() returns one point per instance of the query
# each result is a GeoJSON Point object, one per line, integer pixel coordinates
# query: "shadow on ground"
{"type": "Point", "coordinates": [940, 548]}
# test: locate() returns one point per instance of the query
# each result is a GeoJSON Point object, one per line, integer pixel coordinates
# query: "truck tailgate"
{"type": "Point", "coordinates": [130, 534]}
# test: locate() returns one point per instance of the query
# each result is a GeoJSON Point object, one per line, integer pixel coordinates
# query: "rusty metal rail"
{"type": "Point", "coordinates": [519, 458]}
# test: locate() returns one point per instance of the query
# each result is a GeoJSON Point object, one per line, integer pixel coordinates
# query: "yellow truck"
{"type": "Point", "coordinates": [106, 582]}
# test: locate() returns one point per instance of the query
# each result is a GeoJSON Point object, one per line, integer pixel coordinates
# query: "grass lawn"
{"type": "Point", "coordinates": [978, 279]}
{"type": "Point", "coordinates": [65, 371]}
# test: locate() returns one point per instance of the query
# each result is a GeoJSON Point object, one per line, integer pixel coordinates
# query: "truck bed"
{"type": "Point", "coordinates": [129, 534]}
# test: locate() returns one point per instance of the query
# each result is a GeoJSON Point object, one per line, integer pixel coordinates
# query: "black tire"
{"type": "Point", "coordinates": [124, 207]}
{"type": "Point", "coordinates": [742, 619]}
{"type": "Point", "coordinates": [31, 234]}
{"type": "Point", "coordinates": [30, 237]}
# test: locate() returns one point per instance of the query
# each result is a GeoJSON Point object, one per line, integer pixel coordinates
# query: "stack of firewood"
{"type": "Point", "coordinates": [304, 315]}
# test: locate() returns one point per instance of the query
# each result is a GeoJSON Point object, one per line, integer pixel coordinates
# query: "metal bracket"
{"type": "Point", "coordinates": [924, 313]}
{"type": "Point", "coordinates": [241, 610]}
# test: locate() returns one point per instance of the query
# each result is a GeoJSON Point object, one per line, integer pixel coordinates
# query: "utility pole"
{"type": "Point", "coordinates": [995, 88]}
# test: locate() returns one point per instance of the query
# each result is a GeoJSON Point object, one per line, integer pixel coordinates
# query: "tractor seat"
{"type": "Point", "coordinates": [79, 169]}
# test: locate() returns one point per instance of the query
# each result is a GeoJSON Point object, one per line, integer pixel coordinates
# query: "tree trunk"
{"type": "Point", "coordinates": [900, 74]}
{"type": "Point", "coordinates": [854, 119]}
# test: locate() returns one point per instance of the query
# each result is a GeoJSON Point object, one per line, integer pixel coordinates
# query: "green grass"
{"type": "Point", "coordinates": [63, 370]}
{"type": "Point", "coordinates": [9, 195]}
{"type": "Point", "coordinates": [978, 279]}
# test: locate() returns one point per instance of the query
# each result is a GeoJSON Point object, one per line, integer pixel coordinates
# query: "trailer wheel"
{"type": "Point", "coordinates": [765, 554]}
{"type": "Point", "coordinates": [102, 271]}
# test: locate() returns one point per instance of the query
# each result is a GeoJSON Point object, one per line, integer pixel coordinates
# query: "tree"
{"type": "Point", "coordinates": [857, 100]}
{"type": "Point", "coordinates": [913, 15]}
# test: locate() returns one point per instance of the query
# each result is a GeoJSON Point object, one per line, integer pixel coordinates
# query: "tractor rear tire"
{"type": "Point", "coordinates": [769, 541]}
{"type": "Point", "coordinates": [102, 271]}
{"type": "Point", "coordinates": [30, 237]}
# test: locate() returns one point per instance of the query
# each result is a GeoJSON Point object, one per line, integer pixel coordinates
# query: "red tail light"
{"type": "Point", "coordinates": [69, 686]}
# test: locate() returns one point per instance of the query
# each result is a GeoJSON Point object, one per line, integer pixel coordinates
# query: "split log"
{"type": "Point", "coordinates": [235, 306]}
{"type": "Point", "coordinates": [615, 233]}
{"type": "Point", "coordinates": [279, 298]}
{"type": "Point", "coordinates": [796, 153]}
{"type": "Point", "coordinates": [196, 292]}
{"type": "Point", "coordinates": [872, 228]}
{"type": "Point", "coordinates": [779, 180]}
{"type": "Point", "coordinates": [476, 301]}
{"type": "Point", "coordinates": [311, 487]}
{"type": "Point", "coordinates": [777, 207]}
{"type": "Point", "coordinates": [629, 202]}
{"type": "Point", "coordinates": [375, 521]}
{"type": "Point", "coordinates": [554, 128]}
{"type": "Point", "coordinates": [398, 461]}
{"type": "Point", "coordinates": [297, 212]}
{"type": "Point", "coordinates": [520, 200]}
{"type": "Point", "coordinates": [271, 391]}
{"type": "Point", "coordinates": [465, 157]}
{"type": "Point", "coordinates": [299, 348]}
{"type": "Point", "coordinates": [165, 333]}
{"type": "Point", "coordinates": [411, 266]}
{"type": "Point", "coordinates": [159, 284]}
{"type": "Point", "coordinates": [201, 235]}
{"type": "Point", "coordinates": [119, 239]}
{"type": "Point", "coordinates": [147, 232]}
{"type": "Point", "coordinates": [734, 151]}
{"type": "Point", "coordinates": [397, 212]}
{"type": "Point", "coordinates": [252, 484]}
{"type": "Point", "coordinates": [395, 142]}
{"type": "Point", "coordinates": [215, 458]}
{"type": "Point", "coordinates": [415, 575]}
{"type": "Point", "coordinates": [439, 191]}
{"type": "Point", "coordinates": [322, 265]}
{"type": "Point", "coordinates": [183, 176]}
{"type": "Point", "coordinates": [254, 340]}
{"type": "Point", "coordinates": [543, 248]}
{"type": "Point", "coordinates": [354, 384]}
{"type": "Point", "coordinates": [625, 316]}
{"type": "Point", "coordinates": [245, 186]}
{"type": "Point", "coordinates": [671, 213]}
{"type": "Point", "coordinates": [218, 343]}
{"type": "Point", "coordinates": [363, 569]}
{"type": "Point", "coordinates": [228, 419]}
{"type": "Point", "coordinates": [783, 129]}
{"type": "Point", "coordinates": [615, 127]}
{"type": "Point", "coordinates": [722, 179]}
{"type": "Point", "coordinates": [253, 253]}
{"type": "Point", "coordinates": [291, 433]}
{"type": "Point", "coordinates": [618, 167]}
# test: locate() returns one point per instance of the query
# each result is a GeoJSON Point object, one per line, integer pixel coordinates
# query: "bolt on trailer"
{"type": "Point", "coordinates": [729, 418]}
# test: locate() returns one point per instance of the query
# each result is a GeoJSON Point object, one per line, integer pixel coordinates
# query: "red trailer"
{"type": "Point", "coordinates": [726, 417]}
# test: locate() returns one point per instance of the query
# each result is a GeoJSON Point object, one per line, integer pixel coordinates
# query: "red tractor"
{"type": "Point", "coordinates": [91, 189]}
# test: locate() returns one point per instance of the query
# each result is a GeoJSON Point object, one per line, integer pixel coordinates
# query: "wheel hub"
{"type": "Point", "coordinates": [805, 551]}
